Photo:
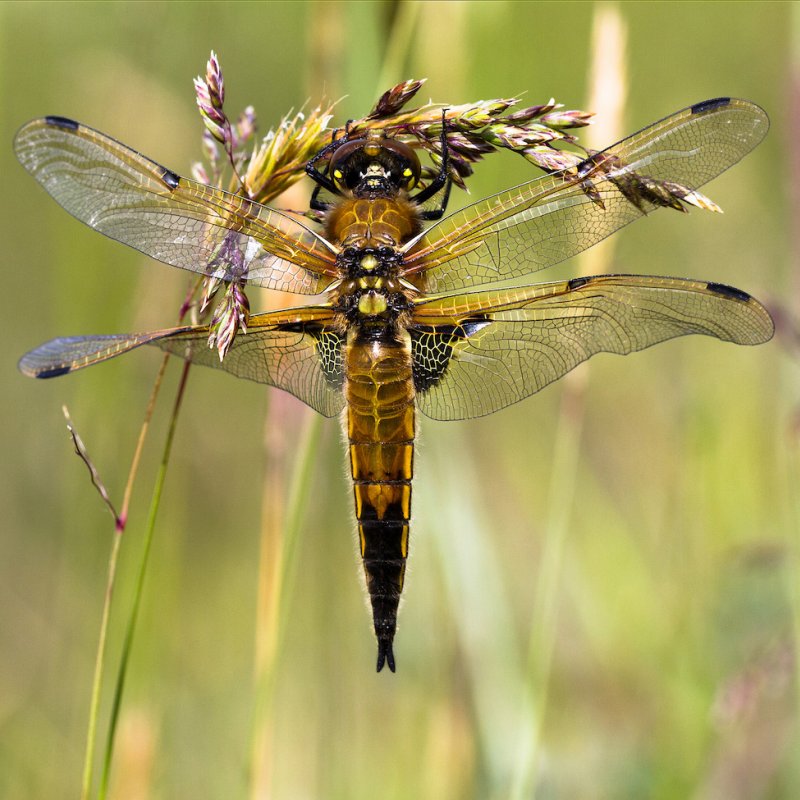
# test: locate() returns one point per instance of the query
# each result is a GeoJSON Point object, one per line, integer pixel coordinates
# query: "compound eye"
{"type": "Point", "coordinates": [406, 166]}
{"type": "Point", "coordinates": [343, 166]}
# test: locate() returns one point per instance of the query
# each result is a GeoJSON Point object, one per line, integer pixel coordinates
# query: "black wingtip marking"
{"type": "Point", "coordinates": [728, 291]}
{"type": "Point", "coordinates": [52, 373]}
{"type": "Point", "coordinates": [62, 122]}
{"type": "Point", "coordinates": [708, 105]}
{"type": "Point", "coordinates": [576, 283]}
{"type": "Point", "coordinates": [170, 178]}
{"type": "Point", "coordinates": [385, 655]}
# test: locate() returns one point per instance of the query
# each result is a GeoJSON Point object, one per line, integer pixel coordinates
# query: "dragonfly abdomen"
{"type": "Point", "coordinates": [380, 429]}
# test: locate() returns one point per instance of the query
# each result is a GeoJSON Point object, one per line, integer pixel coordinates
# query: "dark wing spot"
{"type": "Point", "coordinates": [298, 327]}
{"type": "Point", "coordinates": [576, 283]}
{"type": "Point", "coordinates": [170, 178]}
{"type": "Point", "coordinates": [329, 349]}
{"type": "Point", "coordinates": [62, 122]}
{"type": "Point", "coordinates": [709, 105]}
{"type": "Point", "coordinates": [471, 326]}
{"type": "Point", "coordinates": [728, 291]}
{"type": "Point", "coordinates": [432, 349]}
{"type": "Point", "coordinates": [53, 373]}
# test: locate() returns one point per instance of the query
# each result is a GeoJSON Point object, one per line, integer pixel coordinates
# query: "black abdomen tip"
{"type": "Point", "coordinates": [385, 654]}
{"type": "Point", "coordinates": [62, 122]}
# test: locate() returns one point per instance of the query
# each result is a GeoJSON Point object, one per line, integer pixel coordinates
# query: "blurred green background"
{"type": "Point", "coordinates": [602, 599]}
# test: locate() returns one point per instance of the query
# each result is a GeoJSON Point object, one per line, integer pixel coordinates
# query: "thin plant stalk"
{"type": "Point", "coordinates": [99, 662]}
{"type": "Point", "coordinates": [792, 450]}
{"type": "Point", "coordinates": [608, 81]}
{"type": "Point", "coordinates": [400, 40]}
{"type": "Point", "coordinates": [119, 527]}
{"type": "Point", "coordinates": [120, 521]}
{"type": "Point", "coordinates": [789, 461]}
{"type": "Point", "coordinates": [566, 457]}
{"type": "Point", "coordinates": [279, 540]}
{"type": "Point", "coordinates": [793, 571]}
{"type": "Point", "coordinates": [137, 599]}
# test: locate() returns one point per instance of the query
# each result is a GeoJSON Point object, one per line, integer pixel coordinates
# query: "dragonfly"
{"type": "Point", "coordinates": [404, 323]}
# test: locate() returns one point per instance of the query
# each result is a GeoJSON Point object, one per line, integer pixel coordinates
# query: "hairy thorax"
{"type": "Point", "coordinates": [372, 222]}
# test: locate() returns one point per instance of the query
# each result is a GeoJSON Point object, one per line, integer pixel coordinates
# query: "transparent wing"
{"type": "Point", "coordinates": [542, 222]}
{"type": "Point", "coordinates": [129, 198]}
{"type": "Point", "coordinates": [296, 350]}
{"type": "Point", "coordinates": [476, 353]}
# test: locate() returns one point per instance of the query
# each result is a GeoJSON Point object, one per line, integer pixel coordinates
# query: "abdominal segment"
{"type": "Point", "coordinates": [380, 430]}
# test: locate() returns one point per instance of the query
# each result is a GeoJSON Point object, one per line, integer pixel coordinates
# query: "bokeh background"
{"type": "Point", "coordinates": [602, 599]}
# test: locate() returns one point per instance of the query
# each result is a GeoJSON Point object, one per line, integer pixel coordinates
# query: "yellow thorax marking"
{"type": "Point", "coordinates": [369, 262]}
{"type": "Point", "coordinates": [371, 283]}
{"type": "Point", "coordinates": [372, 304]}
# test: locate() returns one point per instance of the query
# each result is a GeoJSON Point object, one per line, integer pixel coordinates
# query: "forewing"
{"type": "Point", "coordinates": [124, 195]}
{"type": "Point", "coordinates": [476, 353]}
{"type": "Point", "coordinates": [540, 223]}
{"type": "Point", "coordinates": [297, 350]}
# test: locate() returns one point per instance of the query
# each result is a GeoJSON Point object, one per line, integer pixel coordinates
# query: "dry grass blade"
{"type": "Point", "coordinates": [82, 453]}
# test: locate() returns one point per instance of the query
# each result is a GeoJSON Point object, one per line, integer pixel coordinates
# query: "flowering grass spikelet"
{"type": "Point", "coordinates": [231, 315]}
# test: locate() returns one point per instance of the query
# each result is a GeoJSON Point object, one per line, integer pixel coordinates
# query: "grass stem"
{"type": "Point", "coordinates": [279, 544]}
{"type": "Point", "coordinates": [137, 600]}
{"type": "Point", "coordinates": [119, 528]}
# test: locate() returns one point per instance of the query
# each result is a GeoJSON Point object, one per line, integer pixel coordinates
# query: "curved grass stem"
{"type": "Point", "coordinates": [120, 521]}
{"type": "Point", "coordinates": [119, 527]}
{"type": "Point", "coordinates": [137, 600]}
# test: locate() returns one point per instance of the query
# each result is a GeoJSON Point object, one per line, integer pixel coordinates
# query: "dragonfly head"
{"type": "Point", "coordinates": [374, 165]}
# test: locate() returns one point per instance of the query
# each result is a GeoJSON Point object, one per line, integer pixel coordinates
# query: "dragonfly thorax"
{"type": "Point", "coordinates": [375, 226]}
{"type": "Point", "coordinates": [373, 299]}
{"type": "Point", "coordinates": [371, 287]}
{"type": "Point", "coordinates": [369, 262]}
